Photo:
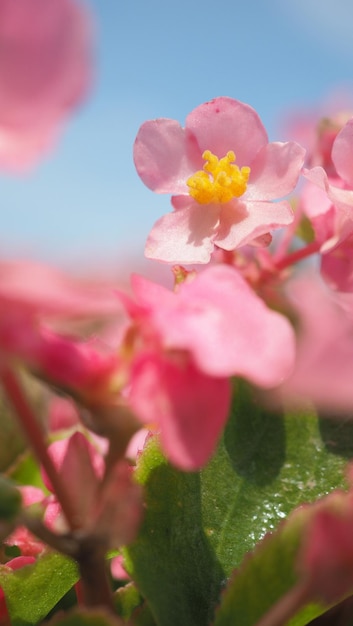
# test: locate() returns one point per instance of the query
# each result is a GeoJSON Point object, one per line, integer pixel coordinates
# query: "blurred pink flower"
{"type": "Point", "coordinates": [216, 201]}
{"type": "Point", "coordinates": [21, 536]}
{"type": "Point", "coordinates": [111, 508]}
{"type": "Point", "coordinates": [62, 414]}
{"type": "Point", "coordinates": [34, 300]}
{"type": "Point", "coordinates": [182, 348]}
{"type": "Point", "coordinates": [45, 71]}
{"type": "Point", "coordinates": [323, 370]}
{"type": "Point", "coordinates": [328, 202]}
{"type": "Point", "coordinates": [326, 555]}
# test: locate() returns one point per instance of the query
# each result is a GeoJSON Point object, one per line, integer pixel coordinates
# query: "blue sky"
{"type": "Point", "coordinates": [161, 59]}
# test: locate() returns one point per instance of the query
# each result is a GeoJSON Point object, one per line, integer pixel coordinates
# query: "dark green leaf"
{"type": "Point", "coordinates": [10, 499]}
{"type": "Point", "coordinates": [87, 617]}
{"type": "Point", "coordinates": [199, 526]}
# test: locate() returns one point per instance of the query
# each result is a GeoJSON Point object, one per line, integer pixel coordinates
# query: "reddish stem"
{"type": "Point", "coordinates": [298, 255]}
{"type": "Point", "coordinates": [35, 437]}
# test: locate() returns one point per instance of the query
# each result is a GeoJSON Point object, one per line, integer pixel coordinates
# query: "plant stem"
{"type": "Point", "coordinates": [35, 437]}
{"type": "Point", "coordinates": [94, 580]}
{"type": "Point", "coordinates": [298, 255]}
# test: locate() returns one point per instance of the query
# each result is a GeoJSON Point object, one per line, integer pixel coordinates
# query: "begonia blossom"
{"type": "Point", "coordinates": [328, 202]}
{"type": "Point", "coordinates": [326, 556]}
{"type": "Point", "coordinates": [45, 71]}
{"type": "Point", "coordinates": [223, 175]}
{"type": "Point", "coordinates": [182, 347]}
{"type": "Point", "coordinates": [323, 368]}
{"type": "Point", "coordinates": [316, 128]}
{"type": "Point", "coordinates": [37, 301]}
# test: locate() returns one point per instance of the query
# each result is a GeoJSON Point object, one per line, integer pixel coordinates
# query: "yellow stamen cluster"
{"type": "Point", "coordinates": [219, 181]}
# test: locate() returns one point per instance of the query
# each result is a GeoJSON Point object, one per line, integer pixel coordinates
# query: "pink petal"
{"type": "Point", "coordinates": [318, 207]}
{"type": "Point", "coordinates": [62, 414]}
{"type": "Point", "coordinates": [184, 236]}
{"type": "Point", "coordinates": [225, 124]}
{"type": "Point", "coordinates": [117, 569]}
{"type": "Point", "coordinates": [148, 293]}
{"type": "Point", "coordinates": [342, 199]}
{"type": "Point", "coordinates": [20, 561]}
{"type": "Point", "coordinates": [35, 287]}
{"type": "Point", "coordinates": [78, 366]}
{"type": "Point", "coordinates": [242, 222]}
{"type": "Point", "coordinates": [244, 337]}
{"type": "Point", "coordinates": [323, 369]}
{"type": "Point", "coordinates": [342, 153]}
{"type": "Point", "coordinates": [165, 156]}
{"type": "Point", "coordinates": [189, 407]}
{"type": "Point", "coordinates": [326, 554]}
{"type": "Point", "coordinates": [45, 70]}
{"type": "Point", "coordinates": [337, 266]}
{"type": "Point", "coordinates": [118, 509]}
{"type": "Point", "coordinates": [275, 171]}
{"type": "Point", "coordinates": [79, 464]}
{"type": "Point", "coordinates": [314, 201]}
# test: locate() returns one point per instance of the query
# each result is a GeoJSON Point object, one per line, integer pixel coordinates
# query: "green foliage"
{"type": "Point", "coordinates": [32, 591]}
{"type": "Point", "coordinates": [198, 527]}
{"type": "Point", "coordinates": [26, 471]}
{"type": "Point", "coordinates": [12, 441]}
{"type": "Point", "coordinates": [10, 499]}
{"type": "Point", "coordinates": [87, 617]}
{"type": "Point", "coordinates": [265, 576]}
{"type": "Point", "coordinates": [126, 600]}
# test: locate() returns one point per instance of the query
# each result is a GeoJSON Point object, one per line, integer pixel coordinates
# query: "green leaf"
{"type": "Point", "coordinates": [10, 499]}
{"type": "Point", "coordinates": [265, 576]}
{"type": "Point", "coordinates": [305, 230]}
{"type": "Point", "coordinates": [198, 526]}
{"type": "Point", "coordinates": [126, 600]}
{"type": "Point", "coordinates": [87, 617]}
{"type": "Point", "coordinates": [32, 591]}
{"type": "Point", "coordinates": [171, 561]}
{"type": "Point", "coordinates": [12, 441]}
{"type": "Point", "coordinates": [26, 471]}
{"type": "Point", "coordinates": [266, 465]}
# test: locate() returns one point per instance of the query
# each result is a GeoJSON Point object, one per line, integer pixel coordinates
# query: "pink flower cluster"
{"type": "Point", "coordinates": [164, 359]}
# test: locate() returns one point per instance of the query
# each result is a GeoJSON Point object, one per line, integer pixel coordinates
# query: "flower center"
{"type": "Point", "coordinates": [219, 181]}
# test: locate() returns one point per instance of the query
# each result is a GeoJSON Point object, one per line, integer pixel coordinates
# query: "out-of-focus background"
{"type": "Point", "coordinates": [84, 202]}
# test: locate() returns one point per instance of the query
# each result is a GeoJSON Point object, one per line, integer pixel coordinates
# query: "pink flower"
{"type": "Point", "coordinates": [45, 71]}
{"type": "Point", "coordinates": [328, 202]}
{"type": "Point", "coordinates": [33, 299]}
{"type": "Point", "coordinates": [323, 369]}
{"type": "Point", "coordinates": [326, 556]}
{"type": "Point", "coordinates": [317, 128]}
{"type": "Point", "coordinates": [223, 174]}
{"type": "Point", "coordinates": [21, 537]}
{"type": "Point", "coordinates": [182, 348]}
